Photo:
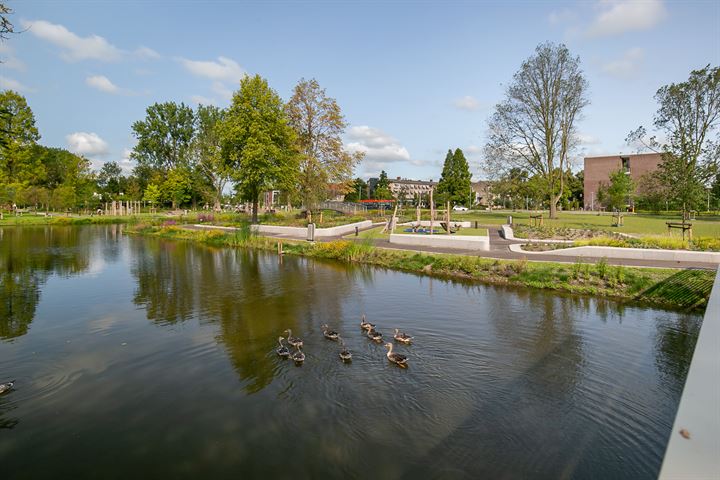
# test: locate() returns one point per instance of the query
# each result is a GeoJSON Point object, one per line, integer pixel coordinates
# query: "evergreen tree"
{"type": "Point", "coordinates": [382, 189]}
{"type": "Point", "coordinates": [454, 185]}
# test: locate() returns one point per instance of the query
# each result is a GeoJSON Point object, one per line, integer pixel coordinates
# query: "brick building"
{"type": "Point", "coordinates": [598, 170]}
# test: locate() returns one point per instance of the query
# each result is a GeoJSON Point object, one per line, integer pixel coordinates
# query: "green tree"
{"type": "Point", "coordinates": [177, 187]}
{"type": "Point", "coordinates": [153, 194]}
{"type": "Point", "coordinates": [257, 139]}
{"type": "Point", "coordinates": [382, 189]}
{"type": "Point", "coordinates": [18, 167]}
{"type": "Point", "coordinates": [109, 178]}
{"type": "Point", "coordinates": [358, 191]}
{"type": "Point", "coordinates": [164, 138]}
{"type": "Point", "coordinates": [454, 185]}
{"type": "Point", "coordinates": [534, 127]}
{"type": "Point", "coordinates": [619, 192]}
{"type": "Point", "coordinates": [688, 115]}
{"type": "Point", "coordinates": [319, 124]}
{"type": "Point", "coordinates": [214, 167]}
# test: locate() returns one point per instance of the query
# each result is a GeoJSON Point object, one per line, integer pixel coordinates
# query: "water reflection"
{"type": "Point", "coordinates": [28, 256]}
{"type": "Point", "coordinates": [253, 297]}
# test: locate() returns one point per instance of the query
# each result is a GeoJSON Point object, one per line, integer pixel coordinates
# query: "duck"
{"type": "Point", "coordinates": [366, 325]}
{"type": "Point", "coordinates": [396, 358]}
{"type": "Point", "coordinates": [345, 354]}
{"type": "Point", "coordinates": [374, 335]}
{"type": "Point", "coordinates": [329, 334]}
{"type": "Point", "coordinates": [6, 387]}
{"type": "Point", "coordinates": [298, 356]}
{"type": "Point", "coordinates": [282, 350]}
{"type": "Point", "coordinates": [294, 341]}
{"type": "Point", "coordinates": [402, 337]}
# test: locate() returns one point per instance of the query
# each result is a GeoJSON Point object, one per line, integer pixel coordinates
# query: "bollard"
{"type": "Point", "coordinates": [311, 232]}
{"type": "Point", "coordinates": [509, 219]}
{"type": "Point", "coordinates": [357, 230]}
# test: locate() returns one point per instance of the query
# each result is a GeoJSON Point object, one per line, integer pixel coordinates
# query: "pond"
{"type": "Point", "coordinates": [138, 357]}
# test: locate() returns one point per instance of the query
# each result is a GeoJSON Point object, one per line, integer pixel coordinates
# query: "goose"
{"type": "Point", "coordinates": [402, 337]}
{"type": "Point", "coordinates": [6, 387]}
{"type": "Point", "coordinates": [396, 358]}
{"type": "Point", "coordinates": [366, 325]}
{"type": "Point", "coordinates": [282, 350]}
{"type": "Point", "coordinates": [294, 341]}
{"type": "Point", "coordinates": [329, 334]}
{"type": "Point", "coordinates": [345, 354]}
{"type": "Point", "coordinates": [374, 335]}
{"type": "Point", "coordinates": [298, 356]}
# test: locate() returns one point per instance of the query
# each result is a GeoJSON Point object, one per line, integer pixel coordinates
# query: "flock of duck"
{"type": "Point", "coordinates": [345, 355]}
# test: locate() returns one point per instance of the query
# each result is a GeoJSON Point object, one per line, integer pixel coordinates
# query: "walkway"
{"type": "Point", "coordinates": [499, 248]}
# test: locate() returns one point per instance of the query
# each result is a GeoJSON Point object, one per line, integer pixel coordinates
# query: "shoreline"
{"type": "Point", "coordinates": [678, 289]}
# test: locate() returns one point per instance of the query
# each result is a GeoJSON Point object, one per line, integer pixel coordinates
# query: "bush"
{"type": "Point", "coordinates": [602, 267]}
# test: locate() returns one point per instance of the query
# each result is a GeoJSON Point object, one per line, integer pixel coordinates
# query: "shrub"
{"type": "Point", "coordinates": [602, 267]}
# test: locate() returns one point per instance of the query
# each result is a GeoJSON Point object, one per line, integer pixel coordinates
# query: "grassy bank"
{"type": "Point", "coordinates": [661, 287]}
{"type": "Point", "coordinates": [28, 220]}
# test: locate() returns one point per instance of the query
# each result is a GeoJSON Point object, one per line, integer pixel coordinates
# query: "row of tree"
{"type": "Point", "coordinates": [533, 130]}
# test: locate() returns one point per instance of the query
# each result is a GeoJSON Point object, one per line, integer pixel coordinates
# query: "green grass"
{"type": "Point", "coordinates": [641, 224]}
{"type": "Point", "coordinates": [661, 287]}
{"type": "Point", "coordinates": [375, 233]}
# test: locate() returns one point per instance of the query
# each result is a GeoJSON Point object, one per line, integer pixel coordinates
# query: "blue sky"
{"type": "Point", "coordinates": [412, 78]}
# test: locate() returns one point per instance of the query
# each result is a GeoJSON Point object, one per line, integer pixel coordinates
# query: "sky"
{"type": "Point", "coordinates": [413, 78]}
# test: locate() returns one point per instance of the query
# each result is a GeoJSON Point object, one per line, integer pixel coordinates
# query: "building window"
{"type": "Point", "coordinates": [625, 163]}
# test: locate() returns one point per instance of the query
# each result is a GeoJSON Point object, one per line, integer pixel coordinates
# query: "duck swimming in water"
{"type": "Point", "coordinates": [374, 335]}
{"type": "Point", "coordinates": [294, 341]}
{"type": "Point", "coordinates": [298, 356]}
{"type": "Point", "coordinates": [6, 387]}
{"type": "Point", "coordinates": [345, 354]}
{"type": "Point", "coordinates": [366, 325]}
{"type": "Point", "coordinates": [282, 350]}
{"type": "Point", "coordinates": [402, 337]}
{"type": "Point", "coordinates": [396, 358]}
{"type": "Point", "coordinates": [329, 334]}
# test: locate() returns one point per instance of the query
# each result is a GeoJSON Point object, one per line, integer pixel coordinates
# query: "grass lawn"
{"type": "Point", "coordinates": [375, 232]}
{"type": "Point", "coordinates": [641, 224]}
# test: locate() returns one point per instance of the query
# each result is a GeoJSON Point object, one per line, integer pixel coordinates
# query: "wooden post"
{"type": "Point", "coordinates": [432, 211]}
{"type": "Point", "coordinates": [392, 219]}
{"type": "Point", "coordinates": [447, 209]}
{"type": "Point", "coordinates": [321, 214]}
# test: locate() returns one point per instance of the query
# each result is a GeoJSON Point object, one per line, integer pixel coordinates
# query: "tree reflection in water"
{"type": "Point", "coordinates": [28, 256]}
{"type": "Point", "coordinates": [253, 296]}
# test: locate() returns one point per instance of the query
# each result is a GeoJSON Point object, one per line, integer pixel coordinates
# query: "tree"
{"type": "Point", "coordinates": [619, 192]}
{"type": "Point", "coordinates": [153, 194]}
{"type": "Point", "coordinates": [164, 137]}
{"type": "Point", "coordinates": [6, 25]}
{"type": "Point", "coordinates": [534, 127]}
{"type": "Point", "coordinates": [319, 124]}
{"type": "Point", "coordinates": [177, 187]}
{"type": "Point", "coordinates": [688, 115]}
{"type": "Point", "coordinates": [17, 133]}
{"type": "Point", "coordinates": [109, 178]}
{"type": "Point", "coordinates": [257, 139]}
{"type": "Point", "coordinates": [454, 185]}
{"type": "Point", "coordinates": [207, 148]}
{"type": "Point", "coordinates": [382, 189]}
{"type": "Point", "coordinates": [358, 191]}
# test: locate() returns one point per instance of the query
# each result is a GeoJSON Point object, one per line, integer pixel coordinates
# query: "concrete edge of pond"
{"type": "Point", "coordinates": [694, 447]}
{"type": "Point", "coordinates": [628, 253]}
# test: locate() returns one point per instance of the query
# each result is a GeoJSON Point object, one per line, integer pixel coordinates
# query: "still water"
{"type": "Point", "coordinates": [143, 358]}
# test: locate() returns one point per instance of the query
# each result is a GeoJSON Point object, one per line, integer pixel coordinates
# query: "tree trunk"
{"type": "Point", "coordinates": [255, 211]}
{"type": "Point", "coordinates": [553, 206]}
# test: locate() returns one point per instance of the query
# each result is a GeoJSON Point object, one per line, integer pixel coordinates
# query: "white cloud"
{"type": "Point", "coordinates": [468, 103]}
{"type": "Point", "coordinates": [224, 69]}
{"type": "Point", "coordinates": [587, 139]}
{"type": "Point", "coordinates": [126, 163]}
{"type": "Point", "coordinates": [380, 148]}
{"type": "Point", "coordinates": [102, 83]}
{"type": "Point", "coordinates": [74, 46]}
{"type": "Point", "coordinates": [222, 90]}
{"type": "Point", "coordinates": [201, 100]}
{"type": "Point", "coordinates": [626, 66]}
{"type": "Point", "coordinates": [9, 60]}
{"type": "Point", "coordinates": [562, 16]}
{"type": "Point", "coordinates": [89, 144]}
{"type": "Point", "coordinates": [620, 16]}
{"type": "Point", "coordinates": [7, 83]}
{"type": "Point", "coordinates": [146, 53]}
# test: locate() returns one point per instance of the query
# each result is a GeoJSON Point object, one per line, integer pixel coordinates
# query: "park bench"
{"type": "Point", "coordinates": [685, 227]}
{"type": "Point", "coordinates": [536, 220]}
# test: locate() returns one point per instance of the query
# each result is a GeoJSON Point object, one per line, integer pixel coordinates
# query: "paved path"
{"type": "Point", "coordinates": [499, 249]}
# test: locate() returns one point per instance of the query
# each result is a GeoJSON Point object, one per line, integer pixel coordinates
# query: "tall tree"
{"type": "Point", "coordinates": [109, 178]}
{"type": "Point", "coordinates": [257, 139]}
{"type": "Point", "coordinates": [454, 185]}
{"type": "Point", "coordinates": [688, 115]}
{"type": "Point", "coordinates": [164, 137]}
{"type": "Point", "coordinates": [534, 127]}
{"type": "Point", "coordinates": [207, 148]}
{"type": "Point", "coordinates": [358, 191]}
{"type": "Point", "coordinates": [18, 133]}
{"type": "Point", "coordinates": [619, 192]}
{"type": "Point", "coordinates": [319, 124]}
{"type": "Point", "coordinates": [382, 189]}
